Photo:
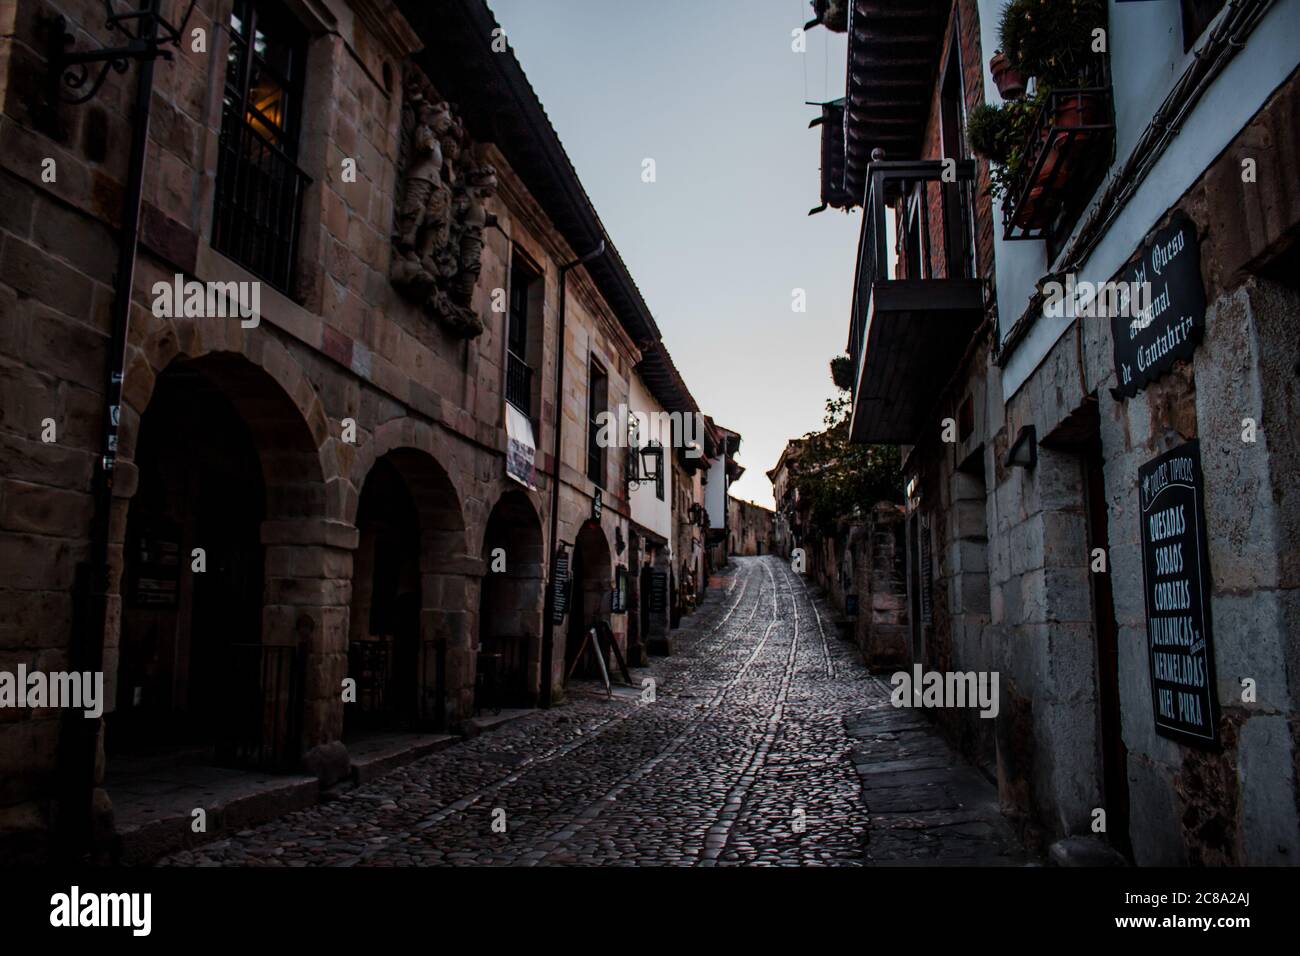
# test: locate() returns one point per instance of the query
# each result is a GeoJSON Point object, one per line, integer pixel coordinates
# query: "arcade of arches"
{"type": "Point", "coordinates": [248, 591]}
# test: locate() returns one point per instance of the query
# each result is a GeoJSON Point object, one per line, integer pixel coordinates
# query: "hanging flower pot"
{"type": "Point", "coordinates": [1079, 109]}
{"type": "Point", "coordinates": [1071, 111]}
{"type": "Point", "coordinates": [1010, 81]}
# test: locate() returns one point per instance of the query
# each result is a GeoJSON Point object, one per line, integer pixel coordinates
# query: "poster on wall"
{"type": "Point", "coordinates": [618, 599]}
{"type": "Point", "coordinates": [521, 450]}
{"type": "Point", "coordinates": [1176, 583]}
{"type": "Point", "coordinates": [156, 576]}
{"type": "Point", "coordinates": [1152, 331]}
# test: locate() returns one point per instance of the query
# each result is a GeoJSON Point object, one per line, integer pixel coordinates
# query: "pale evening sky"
{"type": "Point", "coordinates": [711, 90]}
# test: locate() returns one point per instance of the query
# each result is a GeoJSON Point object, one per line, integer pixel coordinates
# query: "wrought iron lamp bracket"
{"type": "Point", "coordinates": [77, 76]}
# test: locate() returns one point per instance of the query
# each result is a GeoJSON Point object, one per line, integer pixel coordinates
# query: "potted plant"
{"type": "Point", "coordinates": [1002, 135]}
{"type": "Point", "coordinates": [1009, 80]}
{"type": "Point", "coordinates": [1052, 42]}
{"type": "Point", "coordinates": [986, 132]}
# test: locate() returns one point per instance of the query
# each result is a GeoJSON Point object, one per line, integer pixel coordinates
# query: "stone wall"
{"type": "Point", "coordinates": [750, 527]}
{"type": "Point", "coordinates": [1187, 805]}
{"type": "Point", "coordinates": [341, 349]}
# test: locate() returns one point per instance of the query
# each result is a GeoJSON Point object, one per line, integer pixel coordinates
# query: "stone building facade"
{"type": "Point", "coordinates": [750, 527]}
{"type": "Point", "coordinates": [330, 513]}
{"type": "Point", "coordinates": [1025, 448]}
{"type": "Point", "coordinates": [721, 446]}
{"type": "Point", "coordinates": [689, 579]}
{"type": "Point", "coordinates": [789, 517]}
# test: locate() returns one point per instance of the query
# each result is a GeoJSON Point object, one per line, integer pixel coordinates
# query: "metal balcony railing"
{"type": "Point", "coordinates": [1066, 154]}
{"type": "Point", "coordinates": [922, 212]}
{"type": "Point", "coordinates": [259, 194]}
{"type": "Point", "coordinates": [519, 383]}
{"type": "Point", "coordinates": [263, 704]}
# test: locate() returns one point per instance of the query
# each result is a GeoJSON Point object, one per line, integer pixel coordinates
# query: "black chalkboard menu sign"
{"type": "Point", "coordinates": [1176, 578]}
{"type": "Point", "coordinates": [560, 587]}
{"type": "Point", "coordinates": [1152, 332]}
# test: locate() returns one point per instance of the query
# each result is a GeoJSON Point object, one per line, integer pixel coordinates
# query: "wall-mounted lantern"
{"type": "Point", "coordinates": [645, 464]}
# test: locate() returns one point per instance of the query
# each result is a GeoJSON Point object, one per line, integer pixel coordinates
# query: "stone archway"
{"type": "Point", "coordinates": [511, 604]}
{"type": "Point", "coordinates": [230, 579]}
{"type": "Point", "coordinates": [592, 570]}
{"type": "Point", "coordinates": [432, 608]}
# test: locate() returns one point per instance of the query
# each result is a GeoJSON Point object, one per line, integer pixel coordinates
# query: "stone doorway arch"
{"type": "Point", "coordinates": [414, 605]}
{"type": "Point", "coordinates": [592, 571]}
{"type": "Point", "coordinates": [225, 591]}
{"type": "Point", "coordinates": [511, 604]}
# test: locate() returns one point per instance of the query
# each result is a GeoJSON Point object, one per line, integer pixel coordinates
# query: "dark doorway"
{"type": "Point", "coordinates": [197, 677]}
{"type": "Point", "coordinates": [645, 587]}
{"type": "Point", "coordinates": [1080, 436]}
{"type": "Point", "coordinates": [919, 579]}
{"type": "Point", "coordinates": [200, 487]}
{"type": "Point", "coordinates": [592, 578]}
{"type": "Point", "coordinates": [384, 633]}
{"type": "Point", "coordinates": [510, 607]}
{"type": "Point", "coordinates": [1114, 755]}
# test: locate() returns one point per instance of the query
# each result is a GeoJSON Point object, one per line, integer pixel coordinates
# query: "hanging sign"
{"type": "Point", "coordinates": [521, 450]}
{"type": "Point", "coordinates": [658, 592]}
{"type": "Point", "coordinates": [560, 587]}
{"type": "Point", "coordinates": [1176, 579]}
{"type": "Point", "coordinates": [1170, 319]}
{"type": "Point", "coordinates": [618, 599]}
{"type": "Point", "coordinates": [596, 505]}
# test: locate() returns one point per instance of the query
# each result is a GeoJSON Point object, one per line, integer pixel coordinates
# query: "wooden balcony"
{"type": "Point", "coordinates": [916, 299]}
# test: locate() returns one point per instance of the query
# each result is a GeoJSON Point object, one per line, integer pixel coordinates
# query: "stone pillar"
{"type": "Point", "coordinates": [307, 606]}
{"type": "Point", "coordinates": [449, 596]}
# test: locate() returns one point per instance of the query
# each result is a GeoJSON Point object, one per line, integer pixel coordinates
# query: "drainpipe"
{"type": "Point", "coordinates": [79, 736]}
{"type": "Point", "coordinates": [548, 626]}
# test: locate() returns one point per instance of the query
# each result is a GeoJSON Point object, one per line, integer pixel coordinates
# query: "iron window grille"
{"type": "Point", "coordinates": [259, 186]}
{"type": "Point", "coordinates": [1067, 152]}
{"type": "Point", "coordinates": [519, 383]}
{"type": "Point", "coordinates": [519, 374]}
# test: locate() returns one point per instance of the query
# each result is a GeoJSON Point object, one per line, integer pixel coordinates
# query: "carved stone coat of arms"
{"type": "Point", "coordinates": [443, 188]}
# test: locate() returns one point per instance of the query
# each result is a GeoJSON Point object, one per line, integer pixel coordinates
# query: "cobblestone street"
{"type": "Point", "coordinates": [768, 743]}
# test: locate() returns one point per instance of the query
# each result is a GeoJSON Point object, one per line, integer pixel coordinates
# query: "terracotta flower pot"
{"type": "Point", "coordinates": [1078, 109]}
{"type": "Point", "coordinates": [1073, 111]}
{"type": "Point", "coordinates": [1009, 81]}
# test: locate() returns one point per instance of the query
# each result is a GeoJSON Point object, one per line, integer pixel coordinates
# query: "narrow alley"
{"type": "Point", "coordinates": [766, 743]}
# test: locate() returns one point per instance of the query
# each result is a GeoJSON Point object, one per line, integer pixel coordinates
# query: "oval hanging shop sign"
{"type": "Point", "coordinates": [1171, 320]}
